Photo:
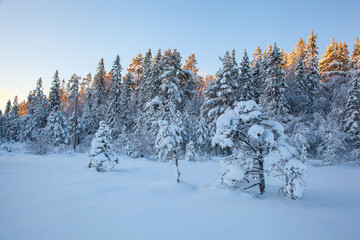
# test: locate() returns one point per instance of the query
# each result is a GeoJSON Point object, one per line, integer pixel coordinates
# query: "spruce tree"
{"type": "Point", "coordinates": [202, 139]}
{"type": "Point", "coordinates": [301, 80]}
{"type": "Point", "coordinates": [273, 100]}
{"type": "Point", "coordinates": [152, 81]}
{"type": "Point", "coordinates": [2, 127]}
{"type": "Point", "coordinates": [7, 109]}
{"type": "Point", "coordinates": [210, 109]}
{"type": "Point", "coordinates": [89, 114]}
{"type": "Point", "coordinates": [125, 102]}
{"type": "Point", "coordinates": [99, 94]}
{"type": "Point", "coordinates": [351, 120]}
{"type": "Point", "coordinates": [74, 101]}
{"type": "Point", "coordinates": [246, 89]}
{"type": "Point", "coordinates": [39, 106]}
{"type": "Point", "coordinates": [57, 128]}
{"type": "Point", "coordinates": [147, 80]}
{"type": "Point", "coordinates": [102, 157]}
{"type": "Point", "coordinates": [54, 96]}
{"type": "Point", "coordinates": [13, 122]}
{"type": "Point", "coordinates": [311, 64]}
{"type": "Point", "coordinates": [35, 119]}
{"type": "Point", "coordinates": [114, 111]}
{"type": "Point", "coordinates": [257, 73]}
{"type": "Point", "coordinates": [169, 139]}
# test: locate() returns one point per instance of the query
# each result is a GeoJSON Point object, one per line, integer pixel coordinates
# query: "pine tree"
{"type": "Point", "coordinates": [257, 145]}
{"type": "Point", "coordinates": [64, 101]}
{"type": "Point", "coordinates": [54, 96]}
{"type": "Point", "coordinates": [85, 87]}
{"type": "Point", "coordinates": [170, 87]}
{"type": "Point", "coordinates": [344, 57]}
{"type": "Point", "coordinates": [23, 108]}
{"type": "Point", "coordinates": [189, 80]}
{"type": "Point", "coordinates": [333, 64]}
{"type": "Point", "coordinates": [273, 99]}
{"type": "Point", "coordinates": [113, 116]}
{"type": "Point", "coordinates": [300, 48]}
{"type": "Point", "coordinates": [355, 57]}
{"type": "Point", "coordinates": [190, 64]}
{"type": "Point", "coordinates": [102, 157]}
{"type": "Point", "coordinates": [257, 56]}
{"type": "Point", "coordinates": [136, 69]}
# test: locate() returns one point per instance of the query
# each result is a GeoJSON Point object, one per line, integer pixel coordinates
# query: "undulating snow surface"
{"type": "Point", "coordinates": [59, 197]}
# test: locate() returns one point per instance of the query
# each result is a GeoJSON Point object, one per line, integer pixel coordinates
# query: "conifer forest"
{"type": "Point", "coordinates": [265, 113]}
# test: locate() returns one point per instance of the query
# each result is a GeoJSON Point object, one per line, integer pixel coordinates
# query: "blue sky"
{"type": "Point", "coordinates": [40, 36]}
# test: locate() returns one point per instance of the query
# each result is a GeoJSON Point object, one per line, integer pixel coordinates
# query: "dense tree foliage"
{"type": "Point", "coordinates": [164, 109]}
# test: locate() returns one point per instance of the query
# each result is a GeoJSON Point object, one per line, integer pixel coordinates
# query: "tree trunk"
{"type": "Point", "coordinates": [261, 176]}
{"type": "Point", "coordinates": [177, 169]}
{"type": "Point", "coordinates": [75, 125]}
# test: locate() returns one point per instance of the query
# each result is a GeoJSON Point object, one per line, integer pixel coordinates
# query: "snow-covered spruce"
{"type": "Point", "coordinates": [102, 158]}
{"type": "Point", "coordinates": [258, 146]}
{"type": "Point", "coordinates": [170, 138]}
{"type": "Point", "coordinates": [190, 153]}
{"type": "Point", "coordinates": [295, 185]}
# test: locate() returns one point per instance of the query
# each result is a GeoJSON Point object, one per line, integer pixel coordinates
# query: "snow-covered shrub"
{"type": "Point", "coordinates": [295, 185]}
{"type": "Point", "coordinates": [40, 143]}
{"type": "Point", "coordinates": [102, 157]}
{"type": "Point", "coordinates": [258, 146]}
{"type": "Point", "coordinates": [190, 154]}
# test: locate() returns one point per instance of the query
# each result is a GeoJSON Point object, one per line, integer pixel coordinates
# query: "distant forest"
{"type": "Point", "coordinates": [160, 107]}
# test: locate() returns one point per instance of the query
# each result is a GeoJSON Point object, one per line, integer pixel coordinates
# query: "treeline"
{"type": "Point", "coordinates": [160, 107]}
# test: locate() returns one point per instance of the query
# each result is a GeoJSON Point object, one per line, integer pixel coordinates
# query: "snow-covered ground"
{"type": "Point", "coordinates": [58, 197]}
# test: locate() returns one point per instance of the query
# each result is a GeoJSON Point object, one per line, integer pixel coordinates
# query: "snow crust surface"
{"type": "Point", "coordinates": [59, 197]}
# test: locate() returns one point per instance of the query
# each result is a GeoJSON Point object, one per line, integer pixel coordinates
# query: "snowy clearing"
{"type": "Point", "coordinates": [59, 197]}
